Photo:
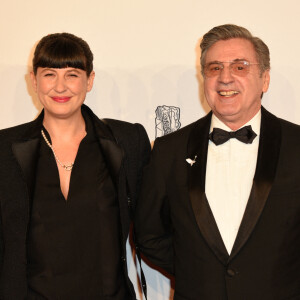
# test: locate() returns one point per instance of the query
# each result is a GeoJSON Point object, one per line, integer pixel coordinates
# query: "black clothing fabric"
{"type": "Point", "coordinates": [74, 249]}
{"type": "Point", "coordinates": [125, 149]}
{"type": "Point", "coordinates": [176, 230]}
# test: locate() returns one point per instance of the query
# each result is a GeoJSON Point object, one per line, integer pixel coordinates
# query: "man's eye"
{"type": "Point", "coordinates": [239, 67]}
{"type": "Point", "coordinates": [49, 74]}
{"type": "Point", "coordinates": [215, 68]}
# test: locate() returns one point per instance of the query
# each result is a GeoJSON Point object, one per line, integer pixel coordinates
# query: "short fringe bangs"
{"type": "Point", "coordinates": [61, 55]}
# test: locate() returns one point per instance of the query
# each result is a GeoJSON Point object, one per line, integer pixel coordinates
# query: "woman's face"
{"type": "Point", "coordinates": [62, 91]}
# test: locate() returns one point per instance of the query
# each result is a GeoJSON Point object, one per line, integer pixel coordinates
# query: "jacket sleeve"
{"type": "Point", "coordinates": [152, 218]}
{"type": "Point", "coordinates": [143, 155]}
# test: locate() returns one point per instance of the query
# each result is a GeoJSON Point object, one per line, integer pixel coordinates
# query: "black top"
{"type": "Point", "coordinates": [74, 249]}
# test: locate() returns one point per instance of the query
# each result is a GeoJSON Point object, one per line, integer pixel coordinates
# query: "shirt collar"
{"type": "Point", "coordinates": [254, 122]}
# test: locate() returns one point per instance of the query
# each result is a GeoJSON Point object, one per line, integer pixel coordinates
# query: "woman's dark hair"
{"type": "Point", "coordinates": [62, 50]}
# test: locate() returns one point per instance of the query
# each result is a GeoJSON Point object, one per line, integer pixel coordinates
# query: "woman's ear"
{"type": "Point", "coordinates": [33, 80]}
{"type": "Point", "coordinates": [90, 81]}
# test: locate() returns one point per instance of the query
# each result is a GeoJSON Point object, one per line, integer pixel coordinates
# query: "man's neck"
{"type": "Point", "coordinates": [254, 122]}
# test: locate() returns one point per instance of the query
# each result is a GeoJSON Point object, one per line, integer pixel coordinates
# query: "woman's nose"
{"type": "Point", "coordinates": [60, 85]}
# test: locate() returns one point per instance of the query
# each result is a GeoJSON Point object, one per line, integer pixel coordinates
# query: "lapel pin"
{"type": "Point", "coordinates": [191, 161]}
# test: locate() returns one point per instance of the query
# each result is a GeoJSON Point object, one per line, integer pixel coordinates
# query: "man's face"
{"type": "Point", "coordinates": [234, 99]}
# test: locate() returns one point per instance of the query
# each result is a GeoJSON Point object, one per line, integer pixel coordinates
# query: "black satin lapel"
{"type": "Point", "coordinates": [111, 150]}
{"type": "Point", "coordinates": [113, 155]}
{"type": "Point", "coordinates": [197, 145]}
{"type": "Point", "coordinates": [26, 154]}
{"type": "Point", "coordinates": [26, 150]}
{"type": "Point", "coordinates": [267, 160]}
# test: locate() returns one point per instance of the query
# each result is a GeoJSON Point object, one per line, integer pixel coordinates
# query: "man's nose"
{"type": "Point", "coordinates": [225, 75]}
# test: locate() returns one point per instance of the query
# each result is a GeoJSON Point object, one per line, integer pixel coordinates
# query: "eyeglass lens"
{"type": "Point", "coordinates": [239, 68]}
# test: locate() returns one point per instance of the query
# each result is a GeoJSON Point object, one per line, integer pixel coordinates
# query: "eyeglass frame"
{"type": "Point", "coordinates": [231, 62]}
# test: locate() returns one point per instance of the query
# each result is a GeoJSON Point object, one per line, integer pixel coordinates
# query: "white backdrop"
{"type": "Point", "coordinates": [146, 55]}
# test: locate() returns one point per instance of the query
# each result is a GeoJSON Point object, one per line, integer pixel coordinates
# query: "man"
{"type": "Point", "coordinates": [220, 210]}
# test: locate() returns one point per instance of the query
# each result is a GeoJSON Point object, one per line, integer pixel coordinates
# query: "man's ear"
{"type": "Point", "coordinates": [266, 80]}
{"type": "Point", "coordinates": [33, 81]}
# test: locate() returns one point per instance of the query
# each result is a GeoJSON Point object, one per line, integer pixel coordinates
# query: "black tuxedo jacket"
{"type": "Point", "coordinates": [176, 229]}
{"type": "Point", "coordinates": [126, 149]}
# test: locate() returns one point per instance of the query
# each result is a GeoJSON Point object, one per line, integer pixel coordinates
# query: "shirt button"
{"type": "Point", "coordinates": [231, 272]}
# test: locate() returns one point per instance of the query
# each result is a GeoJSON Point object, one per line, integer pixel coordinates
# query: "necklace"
{"type": "Point", "coordinates": [66, 167]}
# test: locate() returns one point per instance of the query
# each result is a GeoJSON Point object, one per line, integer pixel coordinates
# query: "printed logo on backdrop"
{"type": "Point", "coordinates": [167, 120]}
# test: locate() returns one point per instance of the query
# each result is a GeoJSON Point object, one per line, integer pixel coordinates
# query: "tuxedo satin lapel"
{"type": "Point", "coordinates": [197, 145]}
{"type": "Point", "coordinates": [112, 152]}
{"type": "Point", "coordinates": [267, 159]}
{"type": "Point", "coordinates": [26, 154]}
{"type": "Point", "coordinates": [26, 150]}
{"type": "Point", "coordinates": [113, 155]}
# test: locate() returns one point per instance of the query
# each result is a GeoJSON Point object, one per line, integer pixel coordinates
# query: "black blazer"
{"type": "Point", "coordinates": [126, 149]}
{"type": "Point", "coordinates": [176, 229]}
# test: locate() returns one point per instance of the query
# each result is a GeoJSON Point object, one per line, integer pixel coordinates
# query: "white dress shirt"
{"type": "Point", "coordinates": [229, 176]}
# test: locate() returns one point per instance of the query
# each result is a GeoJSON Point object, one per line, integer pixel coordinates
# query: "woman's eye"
{"type": "Point", "coordinates": [73, 75]}
{"type": "Point", "coordinates": [49, 74]}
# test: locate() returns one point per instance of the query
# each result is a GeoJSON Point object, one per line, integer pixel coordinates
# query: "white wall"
{"type": "Point", "coordinates": [146, 54]}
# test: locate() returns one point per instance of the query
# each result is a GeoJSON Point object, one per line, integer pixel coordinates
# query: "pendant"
{"type": "Point", "coordinates": [68, 167]}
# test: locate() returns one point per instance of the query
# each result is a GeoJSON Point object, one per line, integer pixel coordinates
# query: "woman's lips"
{"type": "Point", "coordinates": [61, 99]}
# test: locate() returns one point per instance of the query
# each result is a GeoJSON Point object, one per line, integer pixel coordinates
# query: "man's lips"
{"type": "Point", "coordinates": [61, 99]}
{"type": "Point", "coordinates": [228, 93]}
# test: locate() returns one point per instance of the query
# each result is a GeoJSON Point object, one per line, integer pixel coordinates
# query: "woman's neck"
{"type": "Point", "coordinates": [65, 129]}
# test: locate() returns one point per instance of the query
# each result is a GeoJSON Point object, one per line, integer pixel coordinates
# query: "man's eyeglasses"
{"type": "Point", "coordinates": [239, 68]}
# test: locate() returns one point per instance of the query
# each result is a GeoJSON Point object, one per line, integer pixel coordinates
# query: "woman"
{"type": "Point", "coordinates": [65, 184]}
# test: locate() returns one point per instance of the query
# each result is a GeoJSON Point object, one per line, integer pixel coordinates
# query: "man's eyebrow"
{"type": "Point", "coordinates": [228, 61]}
{"type": "Point", "coordinates": [214, 62]}
{"type": "Point", "coordinates": [240, 59]}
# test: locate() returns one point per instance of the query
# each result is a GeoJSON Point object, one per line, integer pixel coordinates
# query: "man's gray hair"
{"type": "Point", "coordinates": [231, 31]}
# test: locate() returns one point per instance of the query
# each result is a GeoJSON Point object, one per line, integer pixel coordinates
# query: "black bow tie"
{"type": "Point", "coordinates": [244, 134]}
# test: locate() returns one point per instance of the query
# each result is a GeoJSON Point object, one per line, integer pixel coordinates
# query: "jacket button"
{"type": "Point", "coordinates": [231, 272]}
